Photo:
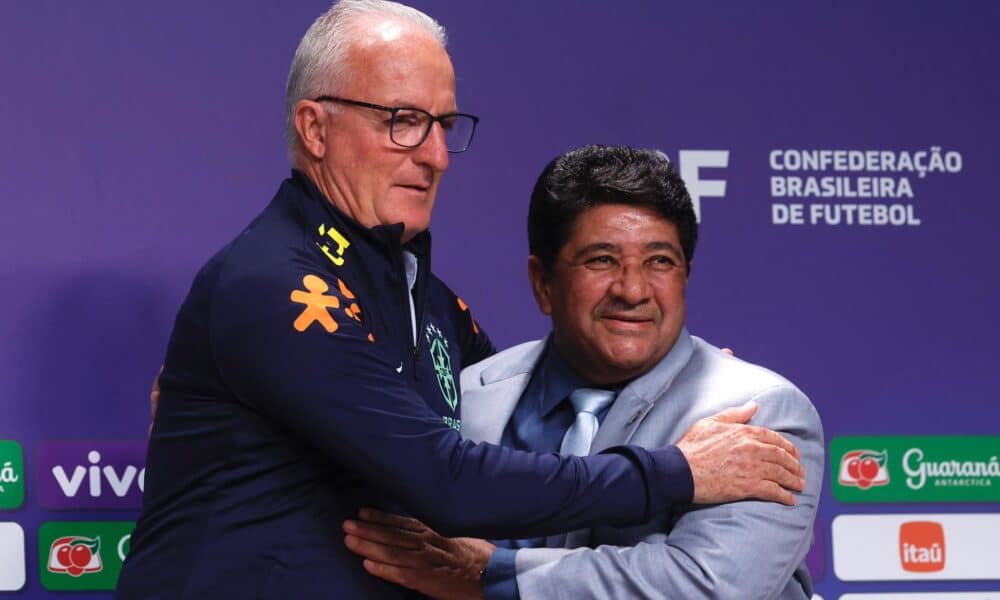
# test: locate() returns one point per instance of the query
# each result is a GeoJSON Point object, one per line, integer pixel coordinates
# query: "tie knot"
{"type": "Point", "coordinates": [591, 400]}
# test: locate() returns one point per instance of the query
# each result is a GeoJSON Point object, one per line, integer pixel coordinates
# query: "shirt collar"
{"type": "Point", "coordinates": [558, 380]}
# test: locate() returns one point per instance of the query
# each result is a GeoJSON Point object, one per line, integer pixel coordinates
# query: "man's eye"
{"type": "Point", "coordinates": [601, 262]}
{"type": "Point", "coordinates": [662, 262]}
{"type": "Point", "coordinates": [407, 119]}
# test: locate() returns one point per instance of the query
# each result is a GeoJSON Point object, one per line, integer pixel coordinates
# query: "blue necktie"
{"type": "Point", "coordinates": [588, 403]}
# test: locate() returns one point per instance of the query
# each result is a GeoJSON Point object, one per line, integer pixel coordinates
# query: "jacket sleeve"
{"type": "Point", "coordinates": [746, 549]}
{"type": "Point", "coordinates": [327, 381]}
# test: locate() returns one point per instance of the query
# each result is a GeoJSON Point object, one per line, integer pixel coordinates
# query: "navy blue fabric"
{"type": "Point", "coordinates": [268, 437]}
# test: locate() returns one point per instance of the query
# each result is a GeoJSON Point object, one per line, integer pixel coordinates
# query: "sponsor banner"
{"type": "Point", "coordinates": [916, 469]}
{"type": "Point", "coordinates": [82, 555]}
{"type": "Point", "coordinates": [76, 475]}
{"type": "Point", "coordinates": [926, 596]}
{"type": "Point", "coordinates": [12, 573]}
{"type": "Point", "coordinates": [904, 546]}
{"type": "Point", "coordinates": [11, 475]}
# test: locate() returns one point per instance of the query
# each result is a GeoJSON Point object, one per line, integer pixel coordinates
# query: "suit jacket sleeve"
{"type": "Point", "coordinates": [341, 393]}
{"type": "Point", "coordinates": [741, 550]}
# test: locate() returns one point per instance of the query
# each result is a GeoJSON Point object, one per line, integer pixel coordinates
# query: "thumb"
{"type": "Point", "coordinates": [737, 414]}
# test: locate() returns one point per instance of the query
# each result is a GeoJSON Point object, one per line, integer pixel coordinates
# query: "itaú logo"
{"type": "Point", "coordinates": [921, 546]}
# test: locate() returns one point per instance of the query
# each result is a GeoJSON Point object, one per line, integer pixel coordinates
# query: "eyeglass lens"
{"type": "Point", "coordinates": [410, 128]}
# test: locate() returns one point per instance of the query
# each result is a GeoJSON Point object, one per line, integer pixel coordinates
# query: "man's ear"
{"type": "Point", "coordinates": [539, 278]}
{"type": "Point", "coordinates": [310, 124]}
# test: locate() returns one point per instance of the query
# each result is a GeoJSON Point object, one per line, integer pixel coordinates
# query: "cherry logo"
{"type": "Point", "coordinates": [75, 555]}
{"type": "Point", "coordinates": [864, 468]}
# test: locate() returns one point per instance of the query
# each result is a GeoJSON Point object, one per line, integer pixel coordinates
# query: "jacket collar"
{"type": "Point", "coordinates": [320, 212]}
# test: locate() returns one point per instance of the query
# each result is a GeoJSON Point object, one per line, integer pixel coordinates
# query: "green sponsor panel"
{"type": "Point", "coordinates": [82, 555]}
{"type": "Point", "coordinates": [915, 468]}
{"type": "Point", "coordinates": [11, 475]}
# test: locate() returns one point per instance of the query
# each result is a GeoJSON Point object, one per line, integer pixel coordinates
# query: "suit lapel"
{"type": "Point", "coordinates": [638, 398]}
{"type": "Point", "coordinates": [488, 403]}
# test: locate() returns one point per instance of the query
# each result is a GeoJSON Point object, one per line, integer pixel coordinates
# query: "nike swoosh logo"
{"type": "Point", "coordinates": [399, 369]}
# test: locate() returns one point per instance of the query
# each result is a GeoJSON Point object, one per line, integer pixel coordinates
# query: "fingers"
{"type": "Point", "coordinates": [772, 492]}
{"type": "Point", "coordinates": [394, 555]}
{"type": "Point", "coordinates": [789, 475]}
{"type": "Point", "coordinates": [787, 461]}
{"type": "Point", "coordinates": [390, 536]}
{"type": "Point", "coordinates": [737, 414]}
{"type": "Point", "coordinates": [390, 573]}
{"type": "Point", "coordinates": [390, 520]}
{"type": "Point", "coordinates": [774, 438]}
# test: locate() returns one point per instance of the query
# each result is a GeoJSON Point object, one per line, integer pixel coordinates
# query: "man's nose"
{"type": "Point", "coordinates": [434, 151]}
{"type": "Point", "coordinates": [631, 286]}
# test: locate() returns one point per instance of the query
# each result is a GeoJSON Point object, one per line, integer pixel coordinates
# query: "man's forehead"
{"type": "Point", "coordinates": [383, 33]}
{"type": "Point", "coordinates": [397, 61]}
{"type": "Point", "coordinates": [620, 223]}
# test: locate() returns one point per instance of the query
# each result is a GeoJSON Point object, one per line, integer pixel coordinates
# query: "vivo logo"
{"type": "Point", "coordinates": [91, 474]}
{"type": "Point", "coordinates": [119, 483]}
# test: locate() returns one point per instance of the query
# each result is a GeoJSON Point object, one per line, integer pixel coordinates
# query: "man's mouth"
{"type": "Point", "coordinates": [626, 322]}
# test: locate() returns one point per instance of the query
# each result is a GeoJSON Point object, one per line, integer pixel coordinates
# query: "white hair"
{"type": "Point", "coordinates": [318, 66]}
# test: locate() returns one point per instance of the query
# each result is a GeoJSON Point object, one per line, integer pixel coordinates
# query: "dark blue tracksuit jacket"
{"type": "Point", "coordinates": [292, 394]}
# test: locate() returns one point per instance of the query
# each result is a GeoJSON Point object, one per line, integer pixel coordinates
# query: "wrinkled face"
{"type": "Point", "coordinates": [616, 292]}
{"type": "Point", "coordinates": [374, 180]}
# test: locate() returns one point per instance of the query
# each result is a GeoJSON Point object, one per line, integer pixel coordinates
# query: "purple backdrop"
{"type": "Point", "coordinates": [138, 137]}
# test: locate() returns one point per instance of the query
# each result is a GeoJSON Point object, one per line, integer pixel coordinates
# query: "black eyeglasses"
{"type": "Point", "coordinates": [409, 126]}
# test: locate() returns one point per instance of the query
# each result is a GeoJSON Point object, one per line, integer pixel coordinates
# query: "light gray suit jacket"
{"type": "Point", "coordinates": [739, 550]}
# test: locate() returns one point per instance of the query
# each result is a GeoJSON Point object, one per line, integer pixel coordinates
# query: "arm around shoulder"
{"type": "Point", "coordinates": [747, 549]}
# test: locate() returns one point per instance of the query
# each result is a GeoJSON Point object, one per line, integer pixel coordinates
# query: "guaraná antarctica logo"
{"type": "Point", "coordinates": [11, 475]}
{"type": "Point", "coordinates": [916, 469]}
{"type": "Point", "coordinates": [82, 555]}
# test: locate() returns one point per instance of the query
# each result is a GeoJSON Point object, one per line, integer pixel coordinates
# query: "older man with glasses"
{"type": "Point", "coordinates": [313, 367]}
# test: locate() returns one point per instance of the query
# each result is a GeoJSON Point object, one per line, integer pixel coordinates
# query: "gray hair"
{"type": "Point", "coordinates": [318, 62]}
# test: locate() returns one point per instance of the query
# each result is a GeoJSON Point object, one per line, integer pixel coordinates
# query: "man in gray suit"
{"type": "Point", "coordinates": [612, 233]}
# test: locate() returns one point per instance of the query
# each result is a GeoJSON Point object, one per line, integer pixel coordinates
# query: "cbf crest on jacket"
{"type": "Point", "coordinates": [293, 393]}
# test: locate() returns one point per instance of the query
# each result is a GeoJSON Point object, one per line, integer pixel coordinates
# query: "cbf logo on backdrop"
{"type": "Point", "coordinates": [91, 474]}
{"type": "Point", "coordinates": [689, 165]}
